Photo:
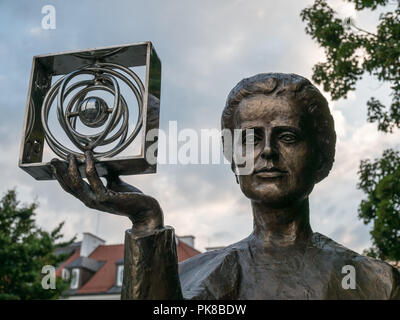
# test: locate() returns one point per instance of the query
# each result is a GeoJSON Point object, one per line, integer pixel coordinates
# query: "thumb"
{"type": "Point", "coordinates": [115, 183]}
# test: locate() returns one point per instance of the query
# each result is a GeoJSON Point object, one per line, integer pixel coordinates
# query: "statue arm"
{"type": "Point", "coordinates": [150, 262]}
{"type": "Point", "coordinates": [151, 266]}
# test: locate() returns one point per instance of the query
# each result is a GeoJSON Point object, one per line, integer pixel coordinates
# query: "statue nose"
{"type": "Point", "coordinates": [269, 151]}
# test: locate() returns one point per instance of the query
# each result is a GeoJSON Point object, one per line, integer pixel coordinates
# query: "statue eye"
{"type": "Point", "coordinates": [288, 137]}
{"type": "Point", "coordinates": [250, 138]}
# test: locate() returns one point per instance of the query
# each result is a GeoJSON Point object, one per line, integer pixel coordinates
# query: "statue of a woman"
{"type": "Point", "coordinates": [294, 146]}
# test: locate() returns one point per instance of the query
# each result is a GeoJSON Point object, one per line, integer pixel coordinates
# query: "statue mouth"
{"type": "Point", "coordinates": [271, 172]}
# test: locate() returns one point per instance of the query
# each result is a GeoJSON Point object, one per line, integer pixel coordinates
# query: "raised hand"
{"type": "Point", "coordinates": [117, 198]}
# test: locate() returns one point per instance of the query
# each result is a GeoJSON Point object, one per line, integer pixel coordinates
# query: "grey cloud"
{"type": "Point", "coordinates": [206, 48]}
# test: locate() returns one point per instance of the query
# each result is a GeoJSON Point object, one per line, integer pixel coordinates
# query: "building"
{"type": "Point", "coordinates": [214, 248]}
{"type": "Point", "coordinates": [96, 269]}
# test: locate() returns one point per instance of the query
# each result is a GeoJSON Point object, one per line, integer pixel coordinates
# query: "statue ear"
{"type": "Point", "coordinates": [320, 172]}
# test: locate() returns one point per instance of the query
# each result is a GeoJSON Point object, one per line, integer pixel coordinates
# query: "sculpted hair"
{"type": "Point", "coordinates": [319, 120]}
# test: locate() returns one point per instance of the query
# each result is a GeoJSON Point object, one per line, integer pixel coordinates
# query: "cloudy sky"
{"type": "Point", "coordinates": [206, 47]}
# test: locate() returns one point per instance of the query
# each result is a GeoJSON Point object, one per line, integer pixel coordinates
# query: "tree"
{"type": "Point", "coordinates": [24, 250]}
{"type": "Point", "coordinates": [350, 53]}
{"type": "Point", "coordinates": [379, 179]}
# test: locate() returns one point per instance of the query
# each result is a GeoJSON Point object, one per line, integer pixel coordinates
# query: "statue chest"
{"type": "Point", "coordinates": [288, 277]}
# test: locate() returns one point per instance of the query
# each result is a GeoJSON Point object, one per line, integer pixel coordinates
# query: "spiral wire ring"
{"type": "Point", "coordinates": [93, 111]}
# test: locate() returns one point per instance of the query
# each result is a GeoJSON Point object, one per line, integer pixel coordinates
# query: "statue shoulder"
{"type": "Point", "coordinates": [213, 274]}
{"type": "Point", "coordinates": [375, 278]}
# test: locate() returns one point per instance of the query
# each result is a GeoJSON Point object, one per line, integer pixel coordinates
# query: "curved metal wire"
{"type": "Point", "coordinates": [106, 77]}
{"type": "Point", "coordinates": [31, 118]}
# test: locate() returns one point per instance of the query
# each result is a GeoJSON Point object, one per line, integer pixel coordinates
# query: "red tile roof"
{"type": "Point", "coordinates": [73, 257]}
{"type": "Point", "coordinates": [185, 251]}
{"type": "Point", "coordinates": [105, 278]}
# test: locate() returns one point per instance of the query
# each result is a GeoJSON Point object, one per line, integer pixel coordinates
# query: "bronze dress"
{"type": "Point", "coordinates": [240, 272]}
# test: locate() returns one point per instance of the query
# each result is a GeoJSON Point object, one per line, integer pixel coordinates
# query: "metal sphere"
{"type": "Point", "coordinates": [93, 112]}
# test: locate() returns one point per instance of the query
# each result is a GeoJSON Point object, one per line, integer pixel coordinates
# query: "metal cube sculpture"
{"type": "Point", "coordinates": [109, 66]}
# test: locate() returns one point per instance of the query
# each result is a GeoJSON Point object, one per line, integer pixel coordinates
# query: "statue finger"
{"type": "Point", "coordinates": [60, 173]}
{"type": "Point", "coordinates": [91, 174]}
{"type": "Point", "coordinates": [75, 176]}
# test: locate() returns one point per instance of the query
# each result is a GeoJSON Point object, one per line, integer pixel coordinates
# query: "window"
{"type": "Point", "coordinates": [120, 275]}
{"type": "Point", "coordinates": [65, 274]}
{"type": "Point", "coordinates": [75, 278]}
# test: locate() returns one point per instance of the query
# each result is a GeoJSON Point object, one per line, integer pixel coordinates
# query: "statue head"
{"type": "Point", "coordinates": [293, 135]}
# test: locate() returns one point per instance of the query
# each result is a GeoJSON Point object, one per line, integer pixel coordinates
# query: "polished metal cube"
{"type": "Point", "coordinates": [104, 64]}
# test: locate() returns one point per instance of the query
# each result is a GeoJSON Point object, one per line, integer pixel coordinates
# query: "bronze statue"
{"type": "Point", "coordinates": [294, 147]}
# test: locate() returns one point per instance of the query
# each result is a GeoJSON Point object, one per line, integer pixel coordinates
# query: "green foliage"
{"type": "Point", "coordinates": [351, 52]}
{"type": "Point", "coordinates": [371, 4]}
{"type": "Point", "coordinates": [24, 250]}
{"type": "Point", "coordinates": [379, 179]}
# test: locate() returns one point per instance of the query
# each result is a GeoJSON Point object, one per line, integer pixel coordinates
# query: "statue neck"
{"type": "Point", "coordinates": [282, 227]}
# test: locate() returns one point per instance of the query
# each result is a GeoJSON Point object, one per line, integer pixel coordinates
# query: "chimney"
{"type": "Point", "coordinates": [214, 248]}
{"type": "Point", "coordinates": [89, 243]}
{"type": "Point", "coordinates": [189, 240]}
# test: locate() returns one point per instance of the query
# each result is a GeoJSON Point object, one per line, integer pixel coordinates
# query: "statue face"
{"type": "Point", "coordinates": [285, 163]}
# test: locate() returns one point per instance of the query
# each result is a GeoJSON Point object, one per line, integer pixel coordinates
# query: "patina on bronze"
{"type": "Point", "coordinates": [294, 144]}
